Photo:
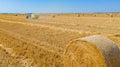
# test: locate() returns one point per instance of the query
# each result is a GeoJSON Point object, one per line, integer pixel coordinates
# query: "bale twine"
{"type": "Point", "coordinates": [92, 51]}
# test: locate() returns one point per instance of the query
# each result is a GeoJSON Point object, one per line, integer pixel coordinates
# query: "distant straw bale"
{"type": "Point", "coordinates": [92, 51]}
{"type": "Point", "coordinates": [16, 15]}
{"type": "Point", "coordinates": [78, 15]}
{"type": "Point", "coordinates": [53, 16]}
{"type": "Point", "coordinates": [32, 16]}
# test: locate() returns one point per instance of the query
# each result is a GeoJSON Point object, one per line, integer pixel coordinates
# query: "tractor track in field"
{"type": "Point", "coordinates": [48, 26]}
{"type": "Point", "coordinates": [28, 41]}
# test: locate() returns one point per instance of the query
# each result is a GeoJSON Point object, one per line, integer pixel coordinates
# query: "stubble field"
{"type": "Point", "coordinates": [42, 42]}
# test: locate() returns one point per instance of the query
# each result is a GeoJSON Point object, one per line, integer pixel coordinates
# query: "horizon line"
{"type": "Point", "coordinates": [58, 13]}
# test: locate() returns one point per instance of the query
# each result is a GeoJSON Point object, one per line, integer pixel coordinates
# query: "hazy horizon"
{"type": "Point", "coordinates": [59, 6]}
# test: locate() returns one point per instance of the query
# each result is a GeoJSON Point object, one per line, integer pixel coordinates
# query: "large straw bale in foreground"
{"type": "Point", "coordinates": [92, 51]}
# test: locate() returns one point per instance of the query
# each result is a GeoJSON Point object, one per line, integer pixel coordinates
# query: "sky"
{"type": "Point", "coordinates": [59, 6]}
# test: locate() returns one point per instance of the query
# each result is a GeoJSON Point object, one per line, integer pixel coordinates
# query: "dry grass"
{"type": "Point", "coordinates": [43, 42]}
{"type": "Point", "coordinates": [23, 49]}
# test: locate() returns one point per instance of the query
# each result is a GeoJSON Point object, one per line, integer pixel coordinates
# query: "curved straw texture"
{"type": "Point", "coordinates": [92, 51]}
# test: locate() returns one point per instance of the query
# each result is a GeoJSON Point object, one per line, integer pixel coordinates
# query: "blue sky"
{"type": "Point", "coordinates": [58, 6]}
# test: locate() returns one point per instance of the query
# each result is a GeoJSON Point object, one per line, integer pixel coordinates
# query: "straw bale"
{"type": "Point", "coordinates": [92, 51]}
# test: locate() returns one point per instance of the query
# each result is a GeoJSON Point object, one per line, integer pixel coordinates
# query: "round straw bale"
{"type": "Point", "coordinates": [92, 51]}
{"type": "Point", "coordinates": [34, 16]}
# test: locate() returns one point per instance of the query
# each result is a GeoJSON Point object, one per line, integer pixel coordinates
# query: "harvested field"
{"type": "Point", "coordinates": [42, 42]}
